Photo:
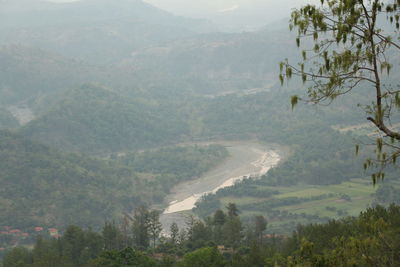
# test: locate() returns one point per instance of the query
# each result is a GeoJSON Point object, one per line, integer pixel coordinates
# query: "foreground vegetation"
{"type": "Point", "coordinates": [371, 239]}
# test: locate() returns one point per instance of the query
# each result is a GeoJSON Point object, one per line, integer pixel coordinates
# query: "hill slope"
{"type": "Point", "coordinates": [28, 73]}
{"type": "Point", "coordinates": [92, 119]}
{"type": "Point", "coordinates": [214, 63]}
{"type": "Point", "coordinates": [42, 186]}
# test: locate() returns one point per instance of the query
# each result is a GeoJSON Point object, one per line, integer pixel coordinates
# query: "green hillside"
{"type": "Point", "coordinates": [92, 119]}
{"type": "Point", "coordinates": [214, 63]}
{"type": "Point", "coordinates": [28, 74]}
{"type": "Point", "coordinates": [41, 186]}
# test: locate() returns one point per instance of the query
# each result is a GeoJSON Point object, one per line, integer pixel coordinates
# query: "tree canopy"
{"type": "Point", "coordinates": [354, 47]}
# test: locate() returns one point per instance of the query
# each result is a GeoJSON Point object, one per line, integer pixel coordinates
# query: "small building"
{"type": "Point", "coordinates": [53, 232]}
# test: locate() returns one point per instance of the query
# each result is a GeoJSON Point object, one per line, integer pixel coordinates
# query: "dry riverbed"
{"type": "Point", "coordinates": [248, 159]}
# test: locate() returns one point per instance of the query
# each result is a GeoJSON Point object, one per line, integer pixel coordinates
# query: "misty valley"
{"type": "Point", "coordinates": [133, 136]}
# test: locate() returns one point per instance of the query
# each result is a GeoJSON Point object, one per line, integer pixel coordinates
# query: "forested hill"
{"type": "Point", "coordinates": [214, 63]}
{"type": "Point", "coordinates": [209, 64]}
{"type": "Point", "coordinates": [28, 74]}
{"type": "Point", "coordinates": [205, 64]}
{"type": "Point", "coordinates": [93, 119]}
{"type": "Point", "coordinates": [41, 186]}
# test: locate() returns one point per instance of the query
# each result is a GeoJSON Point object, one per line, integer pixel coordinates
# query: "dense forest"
{"type": "Point", "coordinates": [60, 189]}
{"type": "Point", "coordinates": [92, 119]}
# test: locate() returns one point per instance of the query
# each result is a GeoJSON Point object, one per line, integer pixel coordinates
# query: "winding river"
{"type": "Point", "coordinates": [247, 159]}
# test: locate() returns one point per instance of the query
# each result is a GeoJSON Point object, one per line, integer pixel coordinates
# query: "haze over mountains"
{"type": "Point", "coordinates": [108, 104]}
{"type": "Point", "coordinates": [99, 31]}
{"type": "Point", "coordinates": [232, 15]}
{"type": "Point", "coordinates": [104, 77]}
{"type": "Point", "coordinates": [227, 15]}
{"type": "Point", "coordinates": [59, 46]}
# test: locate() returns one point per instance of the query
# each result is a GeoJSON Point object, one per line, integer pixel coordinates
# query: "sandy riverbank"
{"type": "Point", "coordinates": [247, 159]}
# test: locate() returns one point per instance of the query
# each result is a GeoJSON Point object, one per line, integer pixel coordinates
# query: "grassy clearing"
{"type": "Point", "coordinates": [323, 208]}
{"type": "Point", "coordinates": [311, 192]}
{"type": "Point", "coordinates": [240, 201]}
{"type": "Point", "coordinates": [304, 204]}
{"type": "Point", "coordinates": [348, 198]}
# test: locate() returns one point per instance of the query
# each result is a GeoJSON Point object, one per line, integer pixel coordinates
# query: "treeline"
{"type": "Point", "coordinates": [137, 241]}
{"type": "Point", "coordinates": [222, 240]}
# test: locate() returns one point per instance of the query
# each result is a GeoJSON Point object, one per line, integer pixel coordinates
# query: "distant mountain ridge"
{"type": "Point", "coordinates": [211, 63]}
{"type": "Point", "coordinates": [99, 31]}
{"type": "Point", "coordinates": [39, 13]}
{"type": "Point", "coordinates": [216, 62]}
{"type": "Point", "coordinates": [28, 73]}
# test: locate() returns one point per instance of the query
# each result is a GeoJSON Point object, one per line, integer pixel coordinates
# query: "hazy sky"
{"type": "Point", "coordinates": [182, 7]}
{"type": "Point", "coordinates": [235, 14]}
{"type": "Point", "coordinates": [211, 6]}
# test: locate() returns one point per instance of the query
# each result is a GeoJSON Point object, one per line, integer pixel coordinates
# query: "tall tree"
{"type": "Point", "coordinates": [112, 237]}
{"type": "Point", "coordinates": [17, 257]}
{"type": "Point", "coordinates": [79, 246]}
{"type": "Point", "coordinates": [232, 231]}
{"type": "Point", "coordinates": [155, 227]}
{"type": "Point", "coordinates": [124, 230]}
{"type": "Point", "coordinates": [140, 228]}
{"type": "Point", "coordinates": [260, 225]}
{"type": "Point", "coordinates": [199, 235]}
{"type": "Point", "coordinates": [353, 45]}
{"type": "Point", "coordinates": [233, 211]}
{"type": "Point", "coordinates": [174, 230]}
{"type": "Point", "coordinates": [219, 220]}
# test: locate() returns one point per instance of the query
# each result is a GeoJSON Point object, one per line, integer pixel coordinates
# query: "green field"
{"type": "Point", "coordinates": [315, 203]}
